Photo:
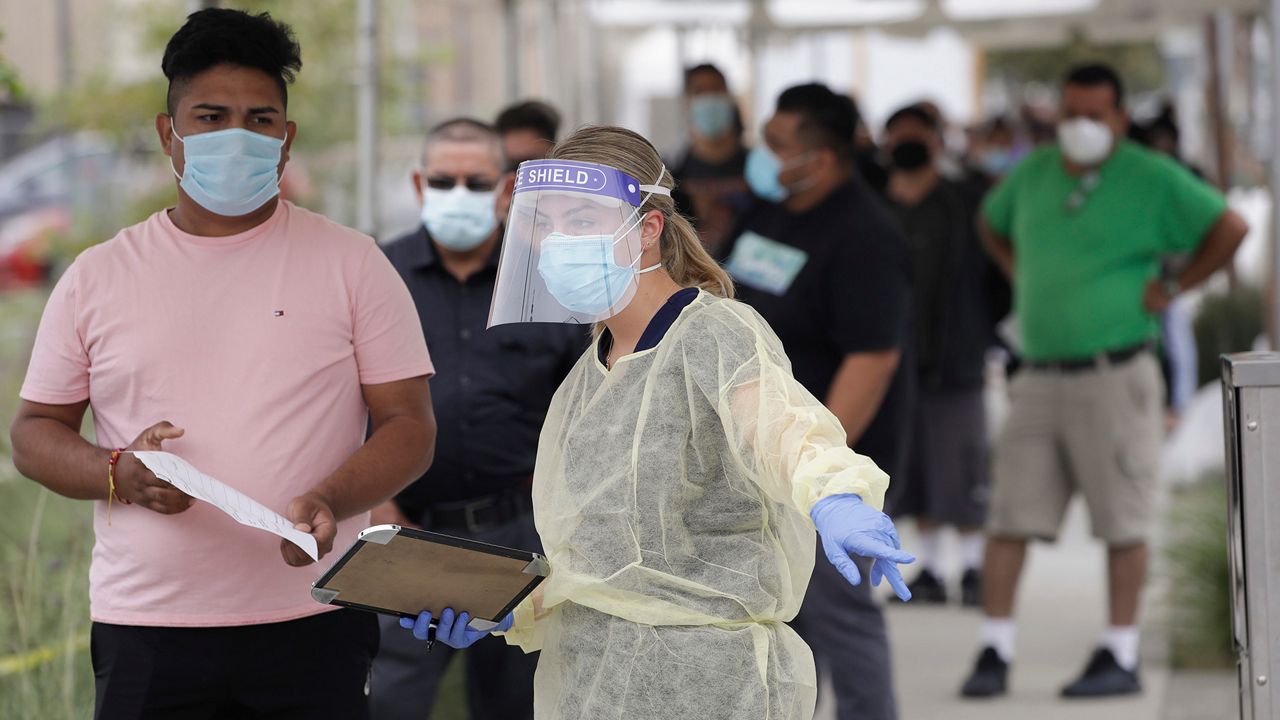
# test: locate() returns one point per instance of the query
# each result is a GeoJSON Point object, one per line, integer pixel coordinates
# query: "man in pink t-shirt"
{"type": "Point", "coordinates": [258, 341]}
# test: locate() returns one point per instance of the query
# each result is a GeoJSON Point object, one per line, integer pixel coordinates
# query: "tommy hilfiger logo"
{"type": "Point", "coordinates": [278, 313]}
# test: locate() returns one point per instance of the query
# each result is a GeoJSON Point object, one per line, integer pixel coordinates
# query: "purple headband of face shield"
{"type": "Point", "coordinates": [582, 177]}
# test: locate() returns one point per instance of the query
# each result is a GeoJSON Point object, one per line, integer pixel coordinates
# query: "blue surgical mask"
{"type": "Point", "coordinates": [229, 172]}
{"type": "Point", "coordinates": [581, 273]}
{"type": "Point", "coordinates": [711, 115]}
{"type": "Point", "coordinates": [459, 219]}
{"type": "Point", "coordinates": [997, 161]}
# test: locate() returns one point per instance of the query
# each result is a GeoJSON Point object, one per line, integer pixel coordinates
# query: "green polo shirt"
{"type": "Point", "coordinates": [1082, 257]}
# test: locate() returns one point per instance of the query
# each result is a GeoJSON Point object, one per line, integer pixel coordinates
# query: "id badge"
{"type": "Point", "coordinates": [764, 264]}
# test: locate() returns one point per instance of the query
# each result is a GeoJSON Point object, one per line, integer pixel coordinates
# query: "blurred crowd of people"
{"type": "Point", "coordinates": [887, 260]}
{"type": "Point", "coordinates": [889, 268]}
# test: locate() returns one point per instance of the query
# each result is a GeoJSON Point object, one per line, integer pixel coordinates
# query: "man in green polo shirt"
{"type": "Point", "coordinates": [1081, 227]}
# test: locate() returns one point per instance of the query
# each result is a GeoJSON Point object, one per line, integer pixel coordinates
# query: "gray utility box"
{"type": "Point", "coordinates": [1251, 410]}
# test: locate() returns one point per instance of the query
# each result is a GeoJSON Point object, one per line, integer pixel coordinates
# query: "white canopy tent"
{"type": "Point", "coordinates": [988, 24]}
{"type": "Point", "coordinates": [558, 49]}
{"type": "Point", "coordinates": [992, 24]}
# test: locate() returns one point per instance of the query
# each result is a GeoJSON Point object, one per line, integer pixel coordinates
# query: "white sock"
{"type": "Point", "coordinates": [972, 546]}
{"type": "Point", "coordinates": [999, 633]}
{"type": "Point", "coordinates": [930, 549]}
{"type": "Point", "coordinates": [1123, 643]}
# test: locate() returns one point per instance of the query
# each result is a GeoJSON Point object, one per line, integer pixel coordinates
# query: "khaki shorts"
{"type": "Point", "coordinates": [1097, 431]}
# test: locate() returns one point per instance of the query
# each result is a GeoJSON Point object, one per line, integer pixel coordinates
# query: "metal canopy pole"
{"type": "Point", "coordinates": [367, 116]}
{"type": "Point", "coordinates": [1273, 312]}
{"type": "Point", "coordinates": [511, 59]}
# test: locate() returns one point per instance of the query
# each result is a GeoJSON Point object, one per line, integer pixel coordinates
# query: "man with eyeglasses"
{"type": "Point", "coordinates": [1081, 227]}
{"type": "Point", "coordinates": [491, 396]}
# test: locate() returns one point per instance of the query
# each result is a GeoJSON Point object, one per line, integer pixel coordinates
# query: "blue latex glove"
{"type": "Point", "coordinates": [848, 525]}
{"type": "Point", "coordinates": [450, 630]}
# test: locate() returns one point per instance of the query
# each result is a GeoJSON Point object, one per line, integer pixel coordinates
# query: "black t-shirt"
{"type": "Point", "coordinates": [960, 296]}
{"type": "Point", "coordinates": [833, 281]}
{"type": "Point", "coordinates": [928, 228]}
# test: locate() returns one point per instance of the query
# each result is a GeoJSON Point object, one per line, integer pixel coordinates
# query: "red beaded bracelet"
{"type": "Point", "coordinates": [111, 482]}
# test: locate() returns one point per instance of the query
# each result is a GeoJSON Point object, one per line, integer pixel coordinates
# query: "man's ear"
{"type": "Point", "coordinates": [417, 185]}
{"type": "Point", "coordinates": [290, 132]}
{"type": "Point", "coordinates": [164, 129]}
{"type": "Point", "coordinates": [1124, 123]}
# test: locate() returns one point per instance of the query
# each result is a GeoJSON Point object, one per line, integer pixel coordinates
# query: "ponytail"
{"type": "Point", "coordinates": [687, 260]}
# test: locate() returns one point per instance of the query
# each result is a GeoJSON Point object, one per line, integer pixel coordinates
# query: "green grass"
{"type": "Point", "coordinates": [44, 616]}
{"type": "Point", "coordinates": [45, 541]}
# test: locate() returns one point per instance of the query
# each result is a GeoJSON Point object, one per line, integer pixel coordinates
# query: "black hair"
{"type": "Point", "coordinates": [689, 72]}
{"type": "Point", "coordinates": [1166, 122]}
{"type": "Point", "coordinates": [217, 36]}
{"type": "Point", "coordinates": [913, 112]}
{"type": "Point", "coordinates": [829, 120]}
{"type": "Point", "coordinates": [1095, 74]}
{"type": "Point", "coordinates": [533, 115]}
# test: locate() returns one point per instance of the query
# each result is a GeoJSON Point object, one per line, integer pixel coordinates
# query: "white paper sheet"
{"type": "Point", "coordinates": [242, 508]}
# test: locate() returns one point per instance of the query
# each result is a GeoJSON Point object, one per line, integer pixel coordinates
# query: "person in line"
{"type": "Point", "coordinates": [254, 339]}
{"type": "Point", "coordinates": [494, 384]}
{"type": "Point", "coordinates": [825, 264]}
{"type": "Point", "coordinates": [1179, 363]}
{"type": "Point", "coordinates": [997, 148]}
{"type": "Point", "coordinates": [682, 468]}
{"type": "Point", "coordinates": [710, 188]}
{"type": "Point", "coordinates": [528, 130]}
{"type": "Point", "coordinates": [959, 298]}
{"type": "Point", "coordinates": [1080, 227]}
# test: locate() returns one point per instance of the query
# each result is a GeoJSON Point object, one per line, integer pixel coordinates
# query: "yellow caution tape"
{"type": "Point", "coordinates": [23, 662]}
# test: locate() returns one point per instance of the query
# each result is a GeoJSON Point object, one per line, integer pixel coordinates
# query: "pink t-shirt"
{"type": "Point", "coordinates": [257, 345]}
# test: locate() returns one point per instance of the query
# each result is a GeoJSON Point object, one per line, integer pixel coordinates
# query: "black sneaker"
{"type": "Point", "coordinates": [1103, 677]}
{"type": "Point", "coordinates": [989, 678]}
{"type": "Point", "coordinates": [926, 588]}
{"type": "Point", "coordinates": [971, 588]}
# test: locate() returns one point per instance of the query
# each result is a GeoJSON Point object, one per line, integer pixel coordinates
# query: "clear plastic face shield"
{"type": "Point", "coordinates": [571, 252]}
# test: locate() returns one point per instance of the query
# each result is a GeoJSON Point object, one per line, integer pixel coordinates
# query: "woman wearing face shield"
{"type": "Point", "coordinates": [681, 470]}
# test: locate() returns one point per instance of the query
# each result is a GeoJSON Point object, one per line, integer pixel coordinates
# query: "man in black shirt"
{"type": "Point", "coordinates": [825, 265]}
{"type": "Point", "coordinates": [491, 394]}
{"type": "Point", "coordinates": [710, 188]}
{"type": "Point", "coordinates": [959, 298]}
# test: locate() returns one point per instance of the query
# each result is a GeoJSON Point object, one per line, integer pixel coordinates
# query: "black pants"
{"type": "Point", "coordinates": [406, 677]}
{"type": "Point", "coordinates": [846, 630]}
{"type": "Point", "coordinates": [316, 667]}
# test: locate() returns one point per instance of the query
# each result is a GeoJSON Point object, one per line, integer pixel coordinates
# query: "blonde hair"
{"type": "Point", "coordinates": [683, 256]}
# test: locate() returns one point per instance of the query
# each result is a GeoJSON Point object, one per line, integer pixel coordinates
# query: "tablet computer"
{"type": "Point", "coordinates": [400, 571]}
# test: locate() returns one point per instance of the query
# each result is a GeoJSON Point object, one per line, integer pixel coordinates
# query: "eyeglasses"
{"type": "Point", "coordinates": [1084, 188]}
{"type": "Point", "coordinates": [472, 183]}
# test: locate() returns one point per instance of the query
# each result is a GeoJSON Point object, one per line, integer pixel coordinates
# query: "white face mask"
{"type": "Point", "coordinates": [1084, 141]}
{"type": "Point", "coordinates": [459, 219]}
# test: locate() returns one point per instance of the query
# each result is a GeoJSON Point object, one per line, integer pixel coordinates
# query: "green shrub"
{"type": "Point", "coordinates": [1199, 570]}
{"type": "Point", "coordinates": [1226, 323]}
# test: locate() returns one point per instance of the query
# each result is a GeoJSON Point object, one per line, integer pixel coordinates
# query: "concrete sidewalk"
{"type": "Point", "coordinates": [1061, 613]}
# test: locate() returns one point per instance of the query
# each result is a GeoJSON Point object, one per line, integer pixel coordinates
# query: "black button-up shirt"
{"type": "Point", "coordinates": [492, 387]}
